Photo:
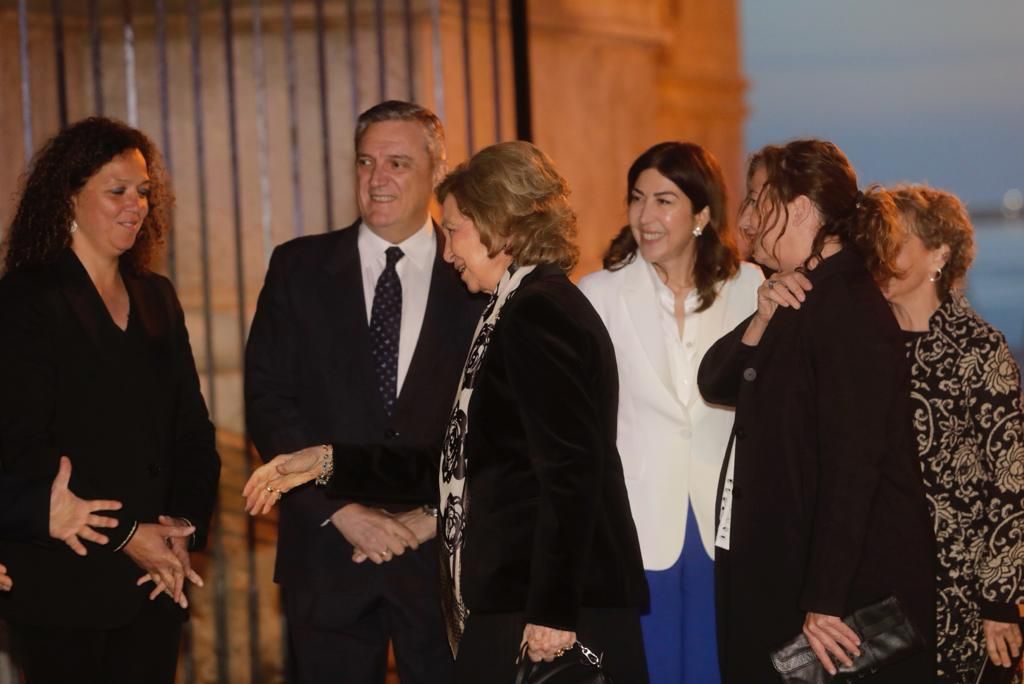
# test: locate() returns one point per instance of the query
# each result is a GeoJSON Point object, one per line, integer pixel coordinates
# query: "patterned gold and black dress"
{"type": "Point", "coordinates": [968, 409]}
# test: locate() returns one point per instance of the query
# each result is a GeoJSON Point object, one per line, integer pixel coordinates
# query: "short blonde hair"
{"type": "Point", "coordinates": [938, 218]}
{"type": "Point", "coordinates": [519, 203]}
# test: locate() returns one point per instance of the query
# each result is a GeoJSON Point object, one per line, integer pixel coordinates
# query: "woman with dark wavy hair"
{"type": "Point", "coordinates": [672, 285]}
{"type": "Point", "coordinates": [969, 424]}
{"type": "Point", "coordinates": [822, 506]}
{"type": "Point", "coordinates": [98, 367]}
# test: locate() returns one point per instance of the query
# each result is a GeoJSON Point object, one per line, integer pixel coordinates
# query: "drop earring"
{"type": "Point", "coordinates": [74, 226]}
{"type": "Point", "coordinates": [935, 277]}
{"type": "Point", "coordinates": [697, 230]}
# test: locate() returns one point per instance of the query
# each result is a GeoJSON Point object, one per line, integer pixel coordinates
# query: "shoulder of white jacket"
{"type": "Point", "coordinates": [749, 274]}
{"type": "Point", "coordinates": [600, 282]}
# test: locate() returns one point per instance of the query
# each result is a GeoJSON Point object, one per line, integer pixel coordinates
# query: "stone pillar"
{"type": "Point", "coordinates": [610, 79]}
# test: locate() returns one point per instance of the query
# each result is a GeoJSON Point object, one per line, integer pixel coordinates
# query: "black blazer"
{"type": "Point", "coordinates": [309, 380]}
{"type": "Point", "coordinates": [24, 509]}
{"type": "Point", "coordinates": [549, 528]}
{"type": "Point", "coordinates": [124, 406]}
{"type": "Point", "coordinates": [828, 508]}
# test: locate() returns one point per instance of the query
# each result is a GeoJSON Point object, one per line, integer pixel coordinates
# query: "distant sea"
{"type": "Point", "coordinates": [995, 284]}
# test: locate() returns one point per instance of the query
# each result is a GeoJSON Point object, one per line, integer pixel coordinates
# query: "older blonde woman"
{"type": "Point", "coordinates": [539, 546]}
{"type": "Point", "coordinates": [966, 393]}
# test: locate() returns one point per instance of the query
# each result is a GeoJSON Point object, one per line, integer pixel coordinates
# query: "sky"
{"type": "Point", "coordinates": [912, 90]}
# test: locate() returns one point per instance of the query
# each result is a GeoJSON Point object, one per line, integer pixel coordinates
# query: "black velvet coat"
{"type": "Point", "coordinates": [828, 508]}
{"type": "Point", "coordinates": [549, 528]}
{"type": "Point", "coordinates": [125, 407]}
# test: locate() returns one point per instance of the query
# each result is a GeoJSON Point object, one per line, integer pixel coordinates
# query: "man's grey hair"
{"type": "Point", "coordinates": [398, 110]}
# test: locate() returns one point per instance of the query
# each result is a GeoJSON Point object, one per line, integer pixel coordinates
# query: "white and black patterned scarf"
{"type": "Point", "coordinates": [454, 466]}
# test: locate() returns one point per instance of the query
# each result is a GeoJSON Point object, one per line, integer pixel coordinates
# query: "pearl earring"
{"type": "Point", "coordinates": [74, 226]}
{"type": "Point", "coordinates": [697, 230]}
{"type": "Point", "coordinates": [935, 277]}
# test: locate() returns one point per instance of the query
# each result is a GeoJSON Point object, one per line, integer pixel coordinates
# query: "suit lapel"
{"type": "Point", "coordinates": [147, 308]}
{"type": "Point", "coordinates": [344, 313]}
{"type": "Point", "coordinates": [712, 327]}
{"type": "Point", "coordinates": [83, 299]}
{"type": "Point", "coordinates": [641, 302]}
{"type": "Point", "coordinates": [439, 318]}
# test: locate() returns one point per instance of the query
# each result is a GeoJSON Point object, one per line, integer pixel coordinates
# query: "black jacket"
{"type": "Point", "coordinates": [828, 508]}
{"type": "Point", "coordinates": [125, 407]}
{"type": "Point", "coordinates": [549, 529]}
{"type": "Point", "coordinates": [309, 380]}
{"type": "Point", "coordinates": [24, 508]}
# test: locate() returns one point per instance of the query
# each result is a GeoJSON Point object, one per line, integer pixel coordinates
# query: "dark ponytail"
{"type": "Point", "coordinates": [818, 170]}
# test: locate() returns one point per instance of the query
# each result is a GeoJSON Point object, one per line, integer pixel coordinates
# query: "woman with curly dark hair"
{"type": "Point", "coordinates": [822, 507]}
{"type": "Point", "coordinates": [98, 367]}
{"type": "Point", "coordinates": [969, 422]}
{"type": "Point", "coordinates": [672, 285]}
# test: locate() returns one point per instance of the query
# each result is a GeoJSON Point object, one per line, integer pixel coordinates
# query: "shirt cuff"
{"type": "Point", "coordinates": [128, 537]}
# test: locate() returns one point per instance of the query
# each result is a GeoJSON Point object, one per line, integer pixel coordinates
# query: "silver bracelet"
{"type": "Point", "coordinates": [430, 510]}
{"type": "Point", "coordinates": [326, 465]}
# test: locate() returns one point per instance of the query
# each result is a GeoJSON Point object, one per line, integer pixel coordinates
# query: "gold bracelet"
{"type": "Point", "coordinates": [326, 465]}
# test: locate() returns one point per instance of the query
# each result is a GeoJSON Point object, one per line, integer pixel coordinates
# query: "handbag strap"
{"type": "Point", "coordinates": [525, 666]}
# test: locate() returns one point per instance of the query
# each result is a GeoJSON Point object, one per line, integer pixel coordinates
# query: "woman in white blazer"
{"type": "Point", "coordinates": [672, 285]}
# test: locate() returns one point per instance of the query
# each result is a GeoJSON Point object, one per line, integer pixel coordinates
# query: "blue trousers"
{"type": "Point", "coordinates": [679, 632]}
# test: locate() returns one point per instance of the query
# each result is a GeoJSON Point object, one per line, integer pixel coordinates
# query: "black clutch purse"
{"type": "Point", "coordinates": [886, 636]}
{"type": "Point", "coordinates": [989, 673]}
{"type": "Point", "coordinates": [578, 665]}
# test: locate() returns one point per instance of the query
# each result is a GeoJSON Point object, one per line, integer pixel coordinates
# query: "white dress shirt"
{"type": "Point", "coordinates": [681, 349]}
{"type": "Point", "coordinates": [414, 270]}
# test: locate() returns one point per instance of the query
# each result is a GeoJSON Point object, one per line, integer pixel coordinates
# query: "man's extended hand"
{"type": "Point", "coordinates": [378, 534]}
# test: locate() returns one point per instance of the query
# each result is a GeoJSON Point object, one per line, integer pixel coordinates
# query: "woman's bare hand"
{"type": "Point", "coordinates": [73, 519]}
{"type": "Point", "coordinates": [787, 289]}
{"type": "Point", "coordinates": [1002, 641]}
{"type": "Point", "coordinates": [280, 475]}
{"type": "Point", "coordinates": [546, 643]}
{"type": "Point", "coordinates": [829, 634]}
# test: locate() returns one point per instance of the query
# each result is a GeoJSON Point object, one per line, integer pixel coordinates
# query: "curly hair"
{"type": "Point", "coordinates": [696, 173]}
{"type": "Point", "coordinates": [41, 227]}
{"type": "Point", "coordinates": [938, 218]}
{"type": "Point", "coordinates": [519, 203]}
{"type": "Point", "coordinates": [818, 169]}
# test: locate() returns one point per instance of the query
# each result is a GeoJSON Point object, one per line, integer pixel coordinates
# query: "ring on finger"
{"type": "Point", "coordinates": [271, 489]}
{"type": "Point", "coordinates": [560, 652]}
{"type": "Point", "coordinates": [771, 283]}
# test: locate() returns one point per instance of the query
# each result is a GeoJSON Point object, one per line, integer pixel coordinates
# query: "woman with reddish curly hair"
{"type": "Point", "coordinates": [969, 421]}
{"type": "Point", "coordinates": [98, 368]}
{"type": "Point", "coordinates": [822, 510]}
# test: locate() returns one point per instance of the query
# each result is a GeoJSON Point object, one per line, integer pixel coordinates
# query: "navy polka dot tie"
{"type": "Point", "coordinates": [385, 328]}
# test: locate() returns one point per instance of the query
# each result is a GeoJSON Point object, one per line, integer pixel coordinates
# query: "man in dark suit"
{"type": "Point", "coordinates": [357, 345]}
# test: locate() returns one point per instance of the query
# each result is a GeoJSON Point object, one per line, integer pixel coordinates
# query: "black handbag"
{"type": "Point", "coordinates": [578, 665]}
{"type": "Point", "coordinates": [886, 636]}
{"type": "Point", "coordinates": [990, 673]}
